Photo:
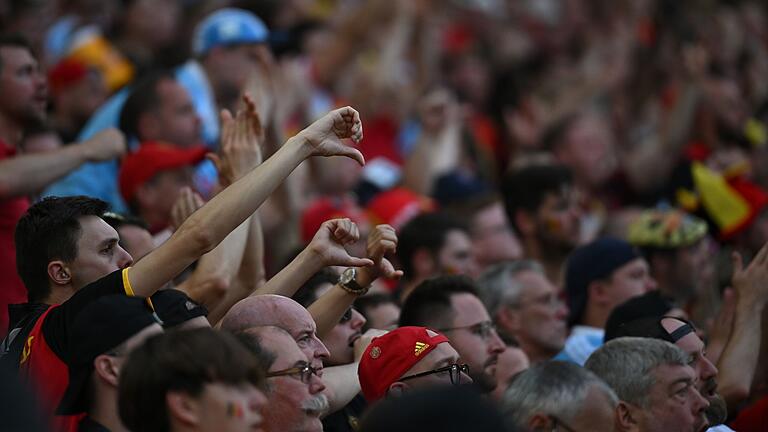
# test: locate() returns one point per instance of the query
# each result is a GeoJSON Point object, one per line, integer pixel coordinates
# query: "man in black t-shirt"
{"type": "Point", "coordinates": [68, 256]}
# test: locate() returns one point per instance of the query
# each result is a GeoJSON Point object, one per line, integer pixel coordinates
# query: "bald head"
{"type": "Point", "coordinates": [281, 312]}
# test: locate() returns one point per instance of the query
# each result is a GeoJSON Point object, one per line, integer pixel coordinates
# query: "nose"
{"type": "Point", "coordinates": [700, 403]}
{"type": "Point", "coordinates": [316, 384]}
{"type": "Point", "coordinates": [125, 259]}
{"type": "Point", "coordinates": [358, 320]}
{"type": "Point", "coordinates": [495, 344]}
{"type": "Point", "coordinates": [709, 370]}
{"type": "Point", "coordinates": [320, 350]}
{"type": "Point", "coordinates": [650, 284]}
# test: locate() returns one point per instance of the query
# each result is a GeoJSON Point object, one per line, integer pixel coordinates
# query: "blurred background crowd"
{"type": "Point", "coordinates": [497, 132]}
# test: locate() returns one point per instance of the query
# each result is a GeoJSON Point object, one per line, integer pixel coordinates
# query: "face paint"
{"type": "Point", "coordinates": [235, 410]}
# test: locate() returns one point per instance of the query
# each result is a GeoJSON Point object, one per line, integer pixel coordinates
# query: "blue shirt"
{"type": "Point", "coordinates": [99, 180]}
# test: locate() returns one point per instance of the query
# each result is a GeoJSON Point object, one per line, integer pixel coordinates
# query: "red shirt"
{"type": "Point", "coordinates": [12, 290]}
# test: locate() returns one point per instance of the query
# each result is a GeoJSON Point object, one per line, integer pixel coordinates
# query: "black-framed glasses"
{"type": "Point", "coordinates": [559, 425]}
{"type": "Point", "coordinates": [303, 372]}
{"type": "Point", "coordinates": [347, 316]}
{"type": "Point", "coordinates": [454, 372]}
{"type": "Point", "coordinates": [483, 329]}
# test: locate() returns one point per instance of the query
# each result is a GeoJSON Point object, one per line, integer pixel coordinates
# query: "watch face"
{"type": "Point", "coordinates": [347, 276]}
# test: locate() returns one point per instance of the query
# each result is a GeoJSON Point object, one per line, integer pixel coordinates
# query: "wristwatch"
{"type": "Point", "coordinates": [349, 284]}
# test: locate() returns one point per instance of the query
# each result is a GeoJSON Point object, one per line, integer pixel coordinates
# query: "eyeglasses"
{"type": "Point", "coordinates": [556, 422]}
{"type": "Point", "coordinates": [347, 316]}
{"type": "Point", "coordinates": [303, 372]}
{"type": "Point", "coordinates": [454, 372]}
{"type": "Point", "coordinates": [484, 329]}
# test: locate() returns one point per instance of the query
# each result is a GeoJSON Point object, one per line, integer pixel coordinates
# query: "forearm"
{"type": "Point", "coordinates": [293, 276]}
{"type": "Point", "coordinates": [209, 225]}
{"type": "Point", "coordinates": [250, 275]}
{"type": "Point", "coordinates": [739, 358]}
{"type": "Point", "coordinates": [213, 278]}
{"type": "Point", "coordinates": [342, 385]}
{"type": "Point", "coordinates": [329, 308]}
{"type": "Point", "coordinates": [433, 155]}
{"type": "Point", "coordinates": [29, 174]}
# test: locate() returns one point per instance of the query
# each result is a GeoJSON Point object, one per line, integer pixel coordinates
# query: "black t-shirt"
{"type": "Point", "coordinates": [346, 419]}
{"type": "Point", "coordinates": [89, 425]}
{"type": "Point", "coordinates": [58, 322]}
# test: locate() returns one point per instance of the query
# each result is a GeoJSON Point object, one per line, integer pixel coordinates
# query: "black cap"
{"type": "Point", "coordinates": [649, 305]}
{"type": "Point", "coordinates": [100, 327]}
{"type": "Point", "coordinates": [174, 307]}
{"type": "Point", "coordinates": [591, 262]}
{"type": "Point", "coordinates": [651, 328]}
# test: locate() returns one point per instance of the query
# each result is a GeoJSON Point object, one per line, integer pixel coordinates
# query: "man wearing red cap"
{"type": "Point", "coordinates": [409, 357]}
{"type": "Point", "coordinates": [151, 180]}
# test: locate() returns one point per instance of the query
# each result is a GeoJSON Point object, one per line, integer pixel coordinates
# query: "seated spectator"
{"type": "Point", "coordinates": [556, 395]}
{"type": "Point", "coordinates": [406, 358]}
{"type": "Point", "coordinates": [433, 244]}
{"type": "Point", "coordinates": [103, 335]}
{"type": "Point", "coordinates": [453, 409]}
{"type": "Point", "coordinates": [525, 306]}
{"type": "Point", "coordinates": [541, 206]}
{"type": "Point", "coordinates": [380, 311]}
{"type": "Point", "coordinates": [598, 277]}
{"type": "Point", "coordinates": [656, 387]}
{"type": "Point", "coordinates": [294, 388]}
{"type": "Point", "coordinates": [201, 380]}
{"type": "Point", "coordinates": [450, 305]}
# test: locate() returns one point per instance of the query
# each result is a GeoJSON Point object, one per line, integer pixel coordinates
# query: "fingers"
{"type": "Point", "coordinates": [762, 256]}
{"type": "Point", "coordinates": [345, 231]}
{"type": "Point", "coordinates": [357, 262]}
{"type": "Point", "coordinates": [388, 270]}
{"type": "Point", "coordinates": [738, 264]}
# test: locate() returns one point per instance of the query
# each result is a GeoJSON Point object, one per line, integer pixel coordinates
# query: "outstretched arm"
{"type": "Point", "coordinates": [207, 227]}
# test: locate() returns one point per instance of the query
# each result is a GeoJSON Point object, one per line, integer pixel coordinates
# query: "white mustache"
{"type": "Point", "coordinates": [316, 405]}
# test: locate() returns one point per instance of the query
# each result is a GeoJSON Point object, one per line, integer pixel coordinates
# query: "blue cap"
{"type": "Point", "coordinates": [228, 26]}
{"type": "Point", "coordinates": [591, 262]}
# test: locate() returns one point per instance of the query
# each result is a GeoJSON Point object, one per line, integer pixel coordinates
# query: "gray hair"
{"type": "Point", "coordinates": [498, 286]}
{"type": "Point", "coordinates": [627, 364]}
{"type": "Point", "coordinates": [553, 388]}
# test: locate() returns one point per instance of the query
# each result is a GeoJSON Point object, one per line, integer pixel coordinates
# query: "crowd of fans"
{"type": "Point", "coordinates": [411, 215]}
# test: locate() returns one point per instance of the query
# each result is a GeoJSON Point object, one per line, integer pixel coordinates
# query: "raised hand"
{"type": "Point", "coordinates": [328, 244]}
{"type": "Point", "coordinates": [324, 136]}
{"type": "Point", "coordinates": [187, 203]}
{"type": "Point", "coordinates": [751, 283]}
{"type": "Point", "coordinates": [381, 240]}
{"type": "Point", "coordinates": [105, 145]}
{"type": "Point", "coordinates": [240, 148]}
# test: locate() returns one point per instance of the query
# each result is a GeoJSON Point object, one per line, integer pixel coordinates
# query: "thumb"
{"type": "Point", "coordinates": [352, 153]}
{"type": "Point", "coordinates": [738, 264]}
{"type": "Point", "coordinates": [215, 159]}
{"type": "Point", "coordinates": [357, 262]}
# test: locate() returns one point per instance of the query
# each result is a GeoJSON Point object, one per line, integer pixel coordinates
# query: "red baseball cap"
{"type": "Point", "coordinates": [398, 206]}
{"type": "Point", "coordinates": [388, 357]}
{"type": "Point", "coordinates": [152, 158]}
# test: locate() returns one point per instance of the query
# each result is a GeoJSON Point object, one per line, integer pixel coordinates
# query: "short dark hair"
{"type": "Point", "coordinates": [14, 40]}
{"type": "Point", "coordinates": [429, 305]}
{"type": "Point", "coordinates": [307, 294]}
{"type": "Point", "coordinates": [424, 231]}
{"type": "Point", "coordinates": [370, 301]}
{"type": "Point", "coordinates": [143, 98]}
{"type": "Point", "coordinates": [49, 230]}
{"type": "Point", "coordinates": [180, 361]}
{"type": "Point", "coordinates": [526, 188]}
